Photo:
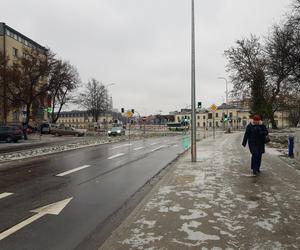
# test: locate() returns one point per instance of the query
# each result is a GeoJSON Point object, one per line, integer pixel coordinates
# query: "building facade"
{"type": "Point", "coordinates": [83, 119]}
{"type": "Point", "coordinates": [238, 117]}
{"type": "Point", "coordinates": [12, 46]}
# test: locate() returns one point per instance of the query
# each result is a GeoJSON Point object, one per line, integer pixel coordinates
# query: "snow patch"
{"type": "Point", "coordinates": [196, 235]}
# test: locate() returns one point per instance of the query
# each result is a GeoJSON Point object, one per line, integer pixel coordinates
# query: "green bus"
{"type": "Point", "coordinates": [178, 126]}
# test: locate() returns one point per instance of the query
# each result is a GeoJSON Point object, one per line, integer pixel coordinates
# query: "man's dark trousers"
{"type": "Point", "coordinates": [255, 162]}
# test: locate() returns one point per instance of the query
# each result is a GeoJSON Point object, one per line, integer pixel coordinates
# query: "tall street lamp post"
{"type": "Point", "coordinates": [223, 78]}
{"type": "Point", "coordinates": [106, 115]}
{"type": "Point", "coordinates": [193, 98]}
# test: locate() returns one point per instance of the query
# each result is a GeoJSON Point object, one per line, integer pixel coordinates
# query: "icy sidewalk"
{"type": "Point", "coordinates": [217, 204]}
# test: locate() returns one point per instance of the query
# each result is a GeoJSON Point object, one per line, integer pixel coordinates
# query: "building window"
{"type": "Point", "coordinates": [198, 124]}
{"type": "Point", "coordinates": [217, 115]}
{"type": "Point", "coordinates": [198, 117]}
{"type": "Point", "coordinates": [210, 124]}
{"type": "Point", "coordinates": [204, 117]}
{"type": "Point", "coordinates": [209, 115]}
{"type": "Point", "coordinates": [15, 52]}
{"type": "Point", "coordinates": [204, 124]}
{"type": "Point", "coordinates": [230, 114]}
{"type": "Point", "coordinates": [217, 124]}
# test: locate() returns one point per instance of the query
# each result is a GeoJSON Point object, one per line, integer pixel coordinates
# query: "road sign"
{"type": "Point", "coordinates": [213, 108]}
{"type": "Point", "coordinates": [129, 114]}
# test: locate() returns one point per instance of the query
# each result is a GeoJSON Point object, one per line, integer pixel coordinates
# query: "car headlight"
{"type": "Point", "coordinates": [118, 131]}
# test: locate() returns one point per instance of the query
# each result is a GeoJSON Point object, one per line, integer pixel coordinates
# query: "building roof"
{"type": "Point", "coordinates": [4, 28]}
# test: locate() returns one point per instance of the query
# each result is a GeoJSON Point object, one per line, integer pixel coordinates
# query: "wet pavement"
{"type": "Point", "coordinates": [92, 184]}
{"type": "Point", "coordinates": [217, 203]}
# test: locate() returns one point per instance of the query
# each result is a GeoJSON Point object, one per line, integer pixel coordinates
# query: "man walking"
{"type": "Point", "coordinates": [255, 135]}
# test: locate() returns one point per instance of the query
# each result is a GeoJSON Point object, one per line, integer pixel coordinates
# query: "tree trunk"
{"type": "Point", "coordinates": [274, 125]}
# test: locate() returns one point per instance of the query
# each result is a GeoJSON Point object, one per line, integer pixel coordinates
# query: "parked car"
{"type": "Point", "coordinates": [61, 130]}
{"type": "Point", "coordinates": [10, 133]}
{"type": "Point", "coordinates": [47, 127]}
{"type": "Point", "coordinates": [116, 131]}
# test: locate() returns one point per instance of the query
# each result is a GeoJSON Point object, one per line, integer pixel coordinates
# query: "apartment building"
{"type": "Point", "coordinates": [12, 46]}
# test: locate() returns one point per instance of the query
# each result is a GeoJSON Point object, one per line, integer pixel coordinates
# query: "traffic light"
{"type": "Point", "coordinates": [225, 118]}
{"type": "Point", "coordinates": [122, 110]}
{"type": "Point", "coordinates": [199, 105]}
{"type": "Point", "coordinates": [132, 111]}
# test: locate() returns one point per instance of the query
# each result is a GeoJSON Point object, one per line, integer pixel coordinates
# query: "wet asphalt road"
{"type": "Point", "coordinates": [112, 173]}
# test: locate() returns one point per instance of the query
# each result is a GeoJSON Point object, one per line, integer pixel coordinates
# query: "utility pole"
{"type": "Point", "coordinates": [193, 92]}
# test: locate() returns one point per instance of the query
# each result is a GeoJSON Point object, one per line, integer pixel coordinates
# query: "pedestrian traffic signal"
{"type": "Point", "coordinates": [199, 105]}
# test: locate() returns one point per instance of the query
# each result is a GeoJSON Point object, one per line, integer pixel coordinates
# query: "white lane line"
{"type": "Point", "coordinates": [3, 195]}
{"type": "Point", "coordinates": [153, 143]}
{"type": "Point", "coordinates": [115, 156]}
{"type": "Point", "coordinates": [121, 146]}
{"type": "Point", "coordinates": [73, 170]}
{"type": "Point", "coordinates": [138, 148]}
{"type": "Point", "coordinates": [158, 148]}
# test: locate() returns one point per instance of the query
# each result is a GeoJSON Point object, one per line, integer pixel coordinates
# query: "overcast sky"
{"type": "Point", "coordinates": [143, 46]}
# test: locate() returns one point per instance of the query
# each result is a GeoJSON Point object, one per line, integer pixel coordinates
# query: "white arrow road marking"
{"type": "Point", "coordinates": [54, 209]}
{"type": "Point", "coordinates": [3, 195]}
{"type": "Point", "coordinates": [115, 156]}
{"type": "Point", "coordinates": [158, 148]}
{"type": "Point", "coordinates": [121, 146]}
{"type": "Point", "coordinates": [138, 148]}
{"type": "Point", "coordinates": [73, 170]}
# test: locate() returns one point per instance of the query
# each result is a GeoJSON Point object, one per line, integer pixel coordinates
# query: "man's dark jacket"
{"type": "Point", "coordinates": [255, 135]}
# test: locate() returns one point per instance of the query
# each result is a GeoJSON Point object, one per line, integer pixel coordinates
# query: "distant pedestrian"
{"type": "Point", "coordinates": [255, 135]}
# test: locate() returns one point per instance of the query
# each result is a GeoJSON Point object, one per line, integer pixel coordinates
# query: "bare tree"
{"type": "Point", "coordinates": [276, 64]}
{"type": "Point", "coordinates": [63, 79]}
{"type": "Point", "coordinates": [94, 98]}
{"type": "Point", "coordinates": [29, 86]}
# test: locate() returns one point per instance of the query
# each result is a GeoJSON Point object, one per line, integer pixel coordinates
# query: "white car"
{"type": "Point", "coordinates": [116, 131]}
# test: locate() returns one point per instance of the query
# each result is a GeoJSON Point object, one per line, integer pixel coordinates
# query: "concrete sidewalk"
{"type": "Point", "coordinates": [216, 203]}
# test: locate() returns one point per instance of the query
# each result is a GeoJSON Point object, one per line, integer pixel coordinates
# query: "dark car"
{"type": "Point", "coordinates": [10, 133]}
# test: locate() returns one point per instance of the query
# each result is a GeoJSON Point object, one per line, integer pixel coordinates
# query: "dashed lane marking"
{"type": "Point", "coordinates": [121, 146]}
{"type": "Point", "coordinates": [139, 148]}
{"type": "Point", "coordinates": [3, 195]}
{"type": "Point", "coordinates": [73, 170]}
{"type": "Point", "coordinates": [158, 148]}
{"type": "Point", "coordinates": [152, 144]}
{"type": "Point", "coordinates": [115, 156]}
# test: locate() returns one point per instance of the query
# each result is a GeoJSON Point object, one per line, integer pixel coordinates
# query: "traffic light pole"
{"type": "Point", "coordinates": [193, 99]}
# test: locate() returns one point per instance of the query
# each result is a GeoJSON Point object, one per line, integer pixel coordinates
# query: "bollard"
{"type": "Point", "coordinates": [291, 146]}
